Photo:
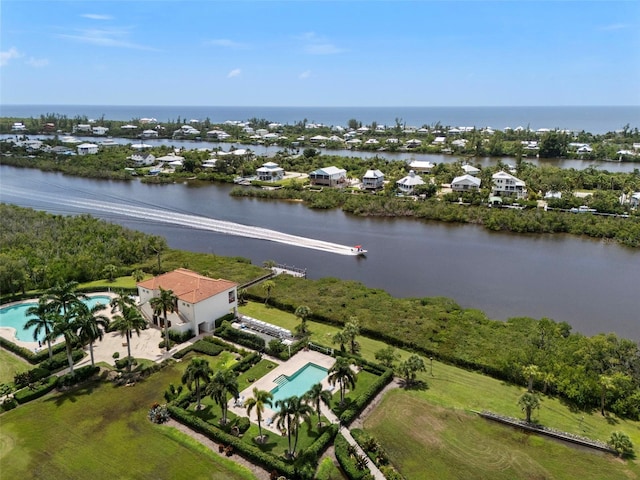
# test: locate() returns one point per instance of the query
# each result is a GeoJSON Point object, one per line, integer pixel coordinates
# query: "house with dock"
{"type": "Point", "coordinates": [270, 172]}
{"type": "Point", "coordinates": [201, 300]}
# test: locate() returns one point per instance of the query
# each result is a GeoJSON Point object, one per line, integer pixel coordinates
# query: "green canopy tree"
{"type": "Point", "coordinates": [197, 371]}
{"type": "Point", "coordinates": [387, 356]}
{"type": "Point", "coordinates": [410, 368]}
{"type": "Point", "coordinates": [258, 401]}
{"type": "Point", "coordinates": [43, 321]}
{"type": "Point", "coordinates": [165, 303]}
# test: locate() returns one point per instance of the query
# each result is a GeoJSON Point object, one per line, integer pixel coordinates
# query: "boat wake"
{"type": "Point", "coordinates": [181, 219]}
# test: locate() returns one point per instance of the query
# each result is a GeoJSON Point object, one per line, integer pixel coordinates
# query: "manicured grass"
{"type": "Point", "coordinates": [101, 431]}
{"type": "Point", "coordinates": [420, 436]}
{"type": "Point", "coordinates": [259, 370]}
{"type": "Point", "coordinates": [328, 471]}
{"type": "Point", "coordinates": [118, 282]}
{"type": "Point", "coordinates": [363, 381]}
{"type": "Point", "coordinates": [10, 365]}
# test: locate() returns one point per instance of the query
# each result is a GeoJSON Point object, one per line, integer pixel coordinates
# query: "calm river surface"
{"type": "Point", "coordinates": [590, 284]}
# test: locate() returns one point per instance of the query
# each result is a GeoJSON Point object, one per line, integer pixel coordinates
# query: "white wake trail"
{"type": "Point", "coordinates": [187, 220]}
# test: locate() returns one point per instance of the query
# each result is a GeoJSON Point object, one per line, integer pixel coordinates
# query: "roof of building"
{"type": "Point", "coordinates": [373, 174]}
{"type": "Point", "coordinates": [467, 179]}
{"type": "Point", "coordinates": [329, 171]}
{"type": "Point", "coordinates": [507, 176]}
{"type": "Point", "coordinates": [188, 285]}
{"type": "Point", "coordinates": [411, 180]}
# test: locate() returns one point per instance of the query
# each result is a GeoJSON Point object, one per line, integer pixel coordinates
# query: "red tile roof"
{"type": "Point", "coordinates": [187, 285]}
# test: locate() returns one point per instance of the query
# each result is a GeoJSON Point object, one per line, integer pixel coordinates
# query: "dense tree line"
{"type": "Point", "coordinates": [582, 369]}
{"type": "Point", "coordinates": [39, 250]}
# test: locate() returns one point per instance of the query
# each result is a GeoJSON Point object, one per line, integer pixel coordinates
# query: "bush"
{"type": "Point", "coordinates": [123, 363]}
{"type": "Point", "coordinates": [7, 404]}
{"type": "Point", "coordinates": [27, 354]}
{"type": "Point", "coordinates": [201, 346]}
{"type": "Point", "coordinates": [621, 443]}
{"type": "Point", "coordinates": [41, 388]}
{"type": "Point", "coordinates": [59, 360]}
{"type": "Point", "coordinates": [179, 337]}
{"type": "Point", "coordinates": [79, 375]}
{"type": "Point", "coordinates": [163, 344]}
{"type": "Point", "coordinates": [246, 363]}
{"type": "Point", "coordinates": [347, 463]}
{"type": "Point", "coordinates": [276, 347]}
{"type": "Point", "coordinates": [243, 424]}
{"type": "Point", "coordinates": [238, 336]}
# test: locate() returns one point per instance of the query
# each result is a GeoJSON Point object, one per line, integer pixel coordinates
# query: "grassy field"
{"type": "Point", "coordinates": [100, 431]}
{"type": "Point", "coordinates": [423, 438]}
{"type": "Point", "coordinates": [10, 365]}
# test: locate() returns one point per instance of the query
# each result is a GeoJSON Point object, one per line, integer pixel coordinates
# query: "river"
{"type": "Point", "coordinates": [591, 284]}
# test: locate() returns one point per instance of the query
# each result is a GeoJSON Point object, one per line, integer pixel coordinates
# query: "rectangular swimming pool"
{"type": "Point", "coordinates": [299, 383]}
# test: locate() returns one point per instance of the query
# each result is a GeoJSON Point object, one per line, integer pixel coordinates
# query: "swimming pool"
{"type": "Point", "coordinates": [16, 316]}
{"type": "Point", "coordinates": [299, 383]}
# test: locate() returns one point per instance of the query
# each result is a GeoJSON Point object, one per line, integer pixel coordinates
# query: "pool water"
{"type": "Point", "coordinates": [16, 316]}
{"type": "Point", "coordinates": [299, 383]}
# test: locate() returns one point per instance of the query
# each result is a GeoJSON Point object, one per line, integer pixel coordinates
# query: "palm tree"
{"type": "Point", "coordinates": [302, 312]}
{"type": "Point", "coordinates": [299, 411]}
{"type": "Point", "coordinates": [63, 295]}
{"type": "Point", "coordinates": [259, 400]}
{"type": "Point", "coordinates": [268, 287]}
{"type": "Point", "coordinates": [121, 301]}
{"type": "Point", "coordinates": [43, 321]}
{"type": "Point", "coordinates": [166, 302]}
{"type": "Point", "coordinates": [130, 320]}
{"type": "Point", "coordinates": [197, 371]}
{"type": "Point", "coordinates": [529, 402]}
{"type": "Point", "coordinates": [351, 331]}
{"type": "Point", "coordinates": [66, 326]}
{"type": "Point", "coordinates": [316, 396]}
{"type": "Point", "coordinates": [283, 417]}
{"type": "Point", "coordinates": [224, 382]}
{"type": "Point", "coordinates": [90, 323]}
{"type": "Point", "coordinates": [341, 373]}
{"type": "Point", "coordinates": [340, 338]}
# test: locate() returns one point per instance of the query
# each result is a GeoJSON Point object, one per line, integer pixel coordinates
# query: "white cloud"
{"type": "Point", "coordinates": [97, 16]}
{"type": "Point", "coordinates": [38, 62]}
{"type": "Point", "coordinates": [106, 37]}
{"type": "Point", "coordinates": [305, 74]}
{"type": "Point", "coordinates": [234, 73]}
{"type": "Point", "coordinates": [7, 55]}
{"type": "Point", "coordinates": [314, 44]}
{"type": "Point", "coordinates": [225, 42]}
{"type": "Point", "coordinates": [614, 26]}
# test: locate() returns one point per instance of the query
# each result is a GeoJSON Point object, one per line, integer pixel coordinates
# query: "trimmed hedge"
{"type": "Point", "coordinates": [251, 453]}
{"type": "Point", "coordinates": [201, 346]}
{"type": "Point", "coordinates": [362, 400]}
{"type": "Point", "coordinates": [245, 339]}
{"type": "Point", "coordinates": [318, 447]}
{"type": "Point", "coordinates": [60, 361]}
{"type": "Point", "coordinates": [27, 394]}
{"type": "Point", "coordinates": [346, 462]}
{"type": "Point", "coordinates": [27, 354]}
{"type": "Point", "coordinates": [79, 375]}
{"type": "Point", "coordinates": [247, 362]}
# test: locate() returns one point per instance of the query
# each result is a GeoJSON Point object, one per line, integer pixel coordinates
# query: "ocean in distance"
{"type": "Point", "coordinates": [595, 119]}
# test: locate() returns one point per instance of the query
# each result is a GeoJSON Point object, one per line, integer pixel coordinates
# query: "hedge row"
{"type": "Point", "coordinates": [226, 345]}
{"type": "Point", "coordinates": [27, 394]}
{"type": "Point", "coordinates": [28, 355]}
{"type": "Point", "coordinates": [346, 462]}
{"type": "Point", "coordinates": [201, 346]}
{"type": "Point", "coordinates": [246, 363]}
{"type": "Point", "coordinates": [362, 400]}
{"type": "Point", "coordinates": [79, 375]}
{"type": "Point", "coordinates": [238, 336]}
{"type": "Point", "coordinates": [318, 447]}
{"type": "Point", "coordinates": [251, 453]}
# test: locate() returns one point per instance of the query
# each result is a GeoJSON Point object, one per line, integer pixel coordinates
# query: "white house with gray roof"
{"type": "Point", "coordinates": [465, 183]}
{"type": "Point", "coordinates": [407, 184]}
{"type": "Point", "coordinates": [506, 185]}
{"type": "Point", "coordinates": [329, 177]}
{"type": "Point", "coordinates": [373, 180]}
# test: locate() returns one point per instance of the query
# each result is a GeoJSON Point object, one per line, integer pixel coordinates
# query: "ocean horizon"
{"type": "Point", "coordinates": [594, 119]}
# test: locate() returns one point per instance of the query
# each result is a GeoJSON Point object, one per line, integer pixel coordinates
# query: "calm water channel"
{"type": "Point", "coordinates": [590, 284]}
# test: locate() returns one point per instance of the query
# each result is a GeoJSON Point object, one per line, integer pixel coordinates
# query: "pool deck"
{"type": "Point", "coordinates": [267, 383]}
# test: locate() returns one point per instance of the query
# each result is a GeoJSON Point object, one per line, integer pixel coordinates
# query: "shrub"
{"type": "Point", "coordinates": [246, 363]}
{"type": "Point", "coordinates": [59, 360]}
{"type": "Point", "coordinates": [163, 344]}
{"type": "Point", "coordinates": [158, 414]}
{"type": "Point", "coordinates": [41, 388]}
{"type": "Point", "coordinates": [79, 375]}
{"type": "Point", "coordinates": [201, 346]}
{"type": "Point", "coordinates": [123, 363]}
{"type": "Point", "coordinates": [621, 443]}
{"type": "Point", "coordinates": [8, 403]}
{"type": "Point", "coordinates": [276, 347]}
{"type": "Point", "coordinates": [179, 337]}
{"type": "Point", "coordinates": [347, 462]}
{"type": "Point", "coordinates": [243, 424]}
{"type": "Point", "coordinates": [238, 336]}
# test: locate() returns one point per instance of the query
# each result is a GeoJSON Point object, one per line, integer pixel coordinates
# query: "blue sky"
{"type": "Point", "coordinates": [322, 53]}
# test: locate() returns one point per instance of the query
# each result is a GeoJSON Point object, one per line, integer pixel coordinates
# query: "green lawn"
{"type": "Point", "coordinates": [10, 365]}
{"type": "Point", "coordinates": [421, 436]}
{"type": "Point", "coordinates": [101, 431]}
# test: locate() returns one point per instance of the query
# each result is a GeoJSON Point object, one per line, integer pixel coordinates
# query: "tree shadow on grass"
{"type": "Point", "coordinates": [268, 444]}
{"type": "Point", "coordinates": [415, 385]}
{"type": "Point", "coordinates": [73, 394]}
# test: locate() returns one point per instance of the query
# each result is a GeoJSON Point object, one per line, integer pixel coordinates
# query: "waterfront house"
{"type": "Point", "coordinates": [465, 183]}
{"type": "Point", "coordinates": [82, 127]}
{"type": "Point", "coordinates": [413, 143]}
{"type": "Point", "coordinates": [470, 169]}
{"type": "Point", "coordinates": [328, 177]}
{"type": "Point", "coordinates": [18, 127]}
{"type": "Point", "coordinates": [373, 180]}
{"type": "Point", "coordinates": [99, 130]}
{"type": "Point", "coordinates": [143, 159]}
{"type": "Point", "coordinates": [506, 185]}
{"type": "Point", "coordinates": [149, 133]}
{"type": "Point", "coordinates": [421, 166]}
{"type": "Point", "coordinates": [87, 149]}
{"type": "Point", "coordinates": [201, 300]}
{"type": "Point", "coordinates": [634, 200]}
{"type": "Point", "coordinates": [407, 184]}
{"type": "Point", "coordinates": [270, 172]}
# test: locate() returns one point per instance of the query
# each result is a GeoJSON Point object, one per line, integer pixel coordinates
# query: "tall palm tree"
{"type": "Point", "coordinates": [316, 396]}
{"type": "Point", "coordinates": [121, 301]}
{"type": "Point", "coordinates": [62, 295]}
{"type": "Point", "coordinates": [198, 371]}
{"type": "Point", "coordinates": [90, 322]}
{"type": "Point", "coordinates": [341, 373]}
{"type": "Point", "coordinates": [302, 312]}
{"type": "Point", "coordinates": [291, 412]}
{"type": "Point", "coordinates": [223, 383]}
{"type": "Point", "coordinates": [167, 302]}
{"type": "Point", "coordinates": [258, 401]}
{"type": "Point", "coordinates": [66, 326]}
{"type": "Point", "coordinates": [43, 321]}
{"type": "Point", "coordinates": [268, 287]}
{"type": "Point", "coordinates": [130, 320]}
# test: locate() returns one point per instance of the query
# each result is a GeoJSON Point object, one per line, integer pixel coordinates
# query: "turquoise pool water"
{"type": "Point", "coordinates": [16, 316]}
{"type": "Point", "coordinates": [299, 383]}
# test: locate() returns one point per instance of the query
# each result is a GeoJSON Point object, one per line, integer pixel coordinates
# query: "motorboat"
{"type": "Point", "coordinates": [358, 250]}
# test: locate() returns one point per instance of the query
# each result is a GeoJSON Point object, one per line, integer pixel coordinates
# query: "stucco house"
{"type": "Point", "coordinates": [373, 180]}
{"type": "Point", "coordinates": [270, 172]}
{"type": "Point", "coordinates": [407, 184]}
{"type": "Point", "coordinates": [506, 185]}
{"type": "Point", "coordinates": [201, 300]}
{"type": "Point", "coordinates": [465, 183]}
{"type": "Point", "coordinates": [87, 149]}
{"type": "Point", "coordinates": [421, 166]}
{"type": "Point", "coordinates": [470, 169]}
{"type": "Point", "coordinates": [99, 130]}
{"type": "Point", "coordinates": [329, 177]}
{"type": "Point", "coordinates": [143, 159]}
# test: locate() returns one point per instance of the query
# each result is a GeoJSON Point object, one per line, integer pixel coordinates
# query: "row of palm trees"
{"type": "Point", "coordinates": [62, 312]}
